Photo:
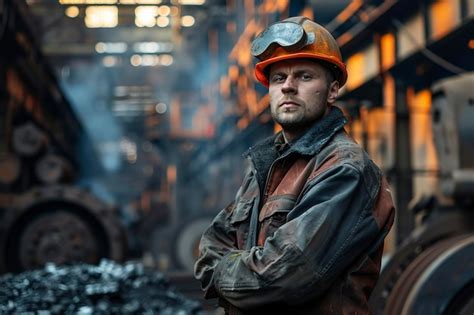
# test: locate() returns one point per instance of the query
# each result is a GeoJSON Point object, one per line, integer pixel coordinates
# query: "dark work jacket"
{"type": "Point", "coordinates": [305, 232]}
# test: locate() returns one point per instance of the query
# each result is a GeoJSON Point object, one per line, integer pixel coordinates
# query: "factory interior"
{"type": "Point", "coordinates": [123, 124]}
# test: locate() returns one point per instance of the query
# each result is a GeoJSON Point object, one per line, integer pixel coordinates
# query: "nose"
{"type": "Point", "coordinates": [289, 86]}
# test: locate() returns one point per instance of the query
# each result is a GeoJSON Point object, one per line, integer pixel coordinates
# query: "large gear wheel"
{"type": "Point", "coordinates": [61, 225]}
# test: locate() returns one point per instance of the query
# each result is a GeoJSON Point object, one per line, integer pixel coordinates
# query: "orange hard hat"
{"type": "Point", "coordinates": [297, 38]}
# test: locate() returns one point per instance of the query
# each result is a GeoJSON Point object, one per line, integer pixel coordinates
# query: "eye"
{"type": "Point", "coordinates": [277, 78]}
{"type": "Point", "coordinates": [306, 76]}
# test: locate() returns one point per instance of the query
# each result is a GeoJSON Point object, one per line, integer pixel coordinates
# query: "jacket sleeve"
{"type": "Point", "coordinates": [330, 227]}
{"type": "Point", "coordinates": [216, 241]}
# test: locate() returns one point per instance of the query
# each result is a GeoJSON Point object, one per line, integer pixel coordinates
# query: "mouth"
{"type": "Point", "coordinates": [289, 105]}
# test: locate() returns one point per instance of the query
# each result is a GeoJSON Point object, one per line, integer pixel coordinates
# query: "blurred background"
{"type": "Point", "coordinates": [123, 123]}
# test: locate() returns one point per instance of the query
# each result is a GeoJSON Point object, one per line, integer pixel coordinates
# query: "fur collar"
{"type": "Point", "coordinates": [264, 153]}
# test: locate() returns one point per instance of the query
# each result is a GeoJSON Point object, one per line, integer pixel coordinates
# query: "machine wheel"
{"type": "Point", "coordinates": [61, 225]}
{"type": "Point", "coordinates": [187, 239]}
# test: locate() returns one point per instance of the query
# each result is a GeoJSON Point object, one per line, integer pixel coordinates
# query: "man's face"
{"type": "Point", "coordinates": [299, 93]}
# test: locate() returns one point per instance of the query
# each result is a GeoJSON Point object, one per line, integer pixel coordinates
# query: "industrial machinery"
{"type": "Point", "coordinates": [58, 224]}
{"type": "Point", "coordinates": [433, 271]}
{"type": "Point", "coordinates": [44, 215]}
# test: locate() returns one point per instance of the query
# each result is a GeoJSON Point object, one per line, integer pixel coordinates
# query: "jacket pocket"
{"type": "Point", "coordinates": [277, 206]}
{"type": "Point", "coordinates": [241, 212]}
{"type": "Point", "coordinates": [240, 220]}
{"type": "Point", "coordinates": [273, 216]}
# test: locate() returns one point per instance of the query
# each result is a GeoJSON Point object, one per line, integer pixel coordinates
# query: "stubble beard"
{"type": "Point", "coordinates": [291, 121]}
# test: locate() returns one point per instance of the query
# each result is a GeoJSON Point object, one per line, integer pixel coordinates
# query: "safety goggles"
{"type": "Point", "coordinates": [289, 35]}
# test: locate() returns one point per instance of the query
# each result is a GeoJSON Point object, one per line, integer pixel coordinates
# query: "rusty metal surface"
{"type": "Point", "coordinates": [52, 168]}
{"type": "Point", "coordinates": [65, 219]}
{"type": "Point", "coordinates": [444, 226]}
{"type": "Point", "coordinates": [406, 292]}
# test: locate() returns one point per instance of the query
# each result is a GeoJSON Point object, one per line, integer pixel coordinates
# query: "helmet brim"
{"type": "Point", "coordinates": [260, 67]}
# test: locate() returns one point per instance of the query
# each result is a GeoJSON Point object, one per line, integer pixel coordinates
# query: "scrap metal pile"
{"type": "Point", "coordinates": [107, 288]}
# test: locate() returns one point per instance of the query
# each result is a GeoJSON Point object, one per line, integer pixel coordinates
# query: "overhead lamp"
{"type": "Point", "coordinates": [187, 21]}
{"type": "Point", "coordinates": [136, 60]}
{"type": "Point", "coordinates": [174, 11]}
{"type": "Point", "coordinates": [110, 61]}
{"type": "Point", "coordinates": [166, 60]}
{"type": "Point", "coordinates": [140, 1]}
{"type": "Point", "coordinates": [161, 108]}
{"type": "Point", "coordinates": [164, 10]}
{"type": "Point", "coordinates": [93, 2]}
{"type": "Point", "coordinates": [72, 11]}
{"type": "Point", "coordinates": [152, 47]}
{"type": "Point", "coordinates": [111, 48]}
{"type": "Point", "coordinates": [163, 21]}
{"type": "Point", "coordinates": [145, 16]}
{"type": "Point", "coordinates": [148, 1]}
{"type": "Point", "coordinates": [101, 16]}
{"type": "Point", "coordinates": [149, 60]}
{"type": "Point", "coordinates": [192, 2]}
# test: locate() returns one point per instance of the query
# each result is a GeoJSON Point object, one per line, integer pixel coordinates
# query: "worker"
{"type": "Point", "coordinates": [305, 232]}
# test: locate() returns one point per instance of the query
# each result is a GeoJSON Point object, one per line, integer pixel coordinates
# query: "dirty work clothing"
{"type": "Point", "coordinates": [305, 232]}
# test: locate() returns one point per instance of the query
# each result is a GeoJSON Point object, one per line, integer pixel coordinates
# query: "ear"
{"type": "Point", "coordinates": [333, 92]}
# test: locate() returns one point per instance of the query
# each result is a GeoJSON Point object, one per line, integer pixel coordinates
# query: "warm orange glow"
{"type": "Point", "coordinates": [251, 99]}
{"type": "Point", "coordinates": [387, 43]}
{"type": "Point", "coordinates": [423, 101]}
{"type": "Point", "coordinates": [444, 16]}
{"type": "Point", "coordinates": [242, 123]}
{"type": "Point", "coordinates": [272, 6]}
{"type": "Point", "coordinates": [263, 103]}
{"type": "Point", "coordinates": [308, 12]}
{"type": "Point", "coordinates": [344, 38]}
{"type": "Point", "coordinates": [389, 92]}
{"type": "Point", "coordinates": [277, 128]}
{"type": "Point", "coordinates": [175, 114]}
{"type": "Point", "coordinates": [349, 10]}
{"type": "Point", "coordinates": [171, 174]}
{"type": "Point", "coordinates": [356, 130]}
{"type": "Point", "coordinates": [233, 73]}
{"type": "Point", "coordinates": [355, 68]}
{"type": "Point", "coordinates": [224, 86]}
{"type": "Point", "coordinates": [422, 145]}
{"type": "Point", "coordinates": [249, 6]}
{"type": "Point", "coordinates": [282, 5]}
{"type": "Point", "coordinates": [470, 44]}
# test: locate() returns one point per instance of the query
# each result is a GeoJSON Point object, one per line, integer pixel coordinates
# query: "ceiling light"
{"type": "Point", "coordinates": [162, 21]}
{"type": "Point", "coordinates": [110, 61]}
{"type": "Point", "coordinates": [192, 2]}
{"type": "Point", "coordinates": [174, 11]}
{"type": "Point", "coordinates": [147, 1]}
{"type": "Point", "coordinates": [164, 10]}
{"type": "Point", "coordinates": [101, 16]}
{"type": "Point", "coordinates": [152, 47]}
{"type": "Point", "coordinates": [100, 47]}
{"type": "Point", "coordinates": [166, 60]}
{"type": "Point", "coordinates": [111, 48]}
{"type": "Point", "coordinates": [87, 1]}
{"type": "Point", "coordinates": [136, 60]}
{"type": "Point", "coordinates": [161, 108]}
{"type": "Point", "coordinates": [145, 16]}
{"type": "Point", "coordinates": [149, 60]}
{"type": "Point", "coordinates": [72, 11]}
{"type": "Point", "coordinates": [187, 21]}
{"type": "Point", "coordinates": [140, 1]}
